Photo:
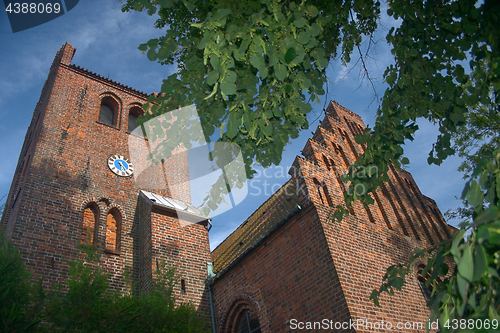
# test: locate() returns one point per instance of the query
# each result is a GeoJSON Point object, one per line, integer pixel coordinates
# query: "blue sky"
{"type": "Point", "coordinates": [106, 42]}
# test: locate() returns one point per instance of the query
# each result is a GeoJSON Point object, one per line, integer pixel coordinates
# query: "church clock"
{"type": "Point", "coordinates": [120, 165]}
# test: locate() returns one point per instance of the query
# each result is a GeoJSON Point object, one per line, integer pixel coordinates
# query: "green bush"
{"type": "Point", "coordinates": [19, 300]}
{"type": "Point", "coordinates": [86, 303]}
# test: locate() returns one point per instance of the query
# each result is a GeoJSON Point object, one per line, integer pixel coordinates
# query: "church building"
{"type": "Point", "coordinates": [287, 268]}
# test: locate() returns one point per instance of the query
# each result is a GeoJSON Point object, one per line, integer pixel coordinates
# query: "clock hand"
{"type": "Point", "coordinates": [121, 164]}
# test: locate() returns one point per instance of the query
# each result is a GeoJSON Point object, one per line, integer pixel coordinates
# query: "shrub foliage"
{"type": "Point", "coordinates": [86, 303]}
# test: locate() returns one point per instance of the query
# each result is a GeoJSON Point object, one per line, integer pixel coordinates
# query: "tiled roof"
{"type": "Point", "coordinates": [262, 221]}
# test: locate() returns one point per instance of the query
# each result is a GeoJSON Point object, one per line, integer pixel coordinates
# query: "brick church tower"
{"type": "Point", "coordinates": [74, 183]}
{"type": "Point", "coordinates": [289, 267]}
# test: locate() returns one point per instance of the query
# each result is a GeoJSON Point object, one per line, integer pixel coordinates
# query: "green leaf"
{"type": "Point", "coordinates": [405, 160]}
{"type": "Point", "coordinates": [305, 108]}
{"type": "Point", "coordinates": [277, 112]}
{"type": "Point", "coordinates": [153, 43]}
{"type": "Point", "coordinates": [263, 72]}
{"type": "Point", "coordinates": [212, 77]}
{"type": "Point", "coordinates": [191, 7]}
{"type": "Point", "coordinates": [494, 233]}
{"type": "Point", "coordinates": [232, 126]}
{"type": "Point", "coordinates": [212, 205]}
{"type": "Point", "coordinates": [315, 29]}
{"type": "Point", "coordinates": [498, 182]}
{"type": "Point", "coordinates": [313, 11]}
{"type": "Point", "coordinates": [466, 265]}
{"type": "Point", "coordinates": [143, 47]}
{"type": "Point", "coordinates": [206, 37]}
{"type": "Point", "coordinates": [374, 295]}
{"type": "Point", "coordinates": [487, 216]}
{"type": "Point", "coordinates": [280, 72]}
{"type": "Point", "coordinates": [480, 262]}
{"type": "Point", "coordinates": [213, 91]}
{"type": "Point", "coordinates": [300, 23]}
{"type": "Point", "coordinates": [221, 14]}
{"type": "Point", "coordinates": [306, 83]}
{"type": "Point", "coordinates": [230, 76]}
{"type": "Point", "coordinates": [257, 61]}
{"type": "Point", "coordinates": [290, 55]}
{"type": "Point", "coordinates": [322, 62]}
{"type": "Point", "coordinates": [246, 121]}
{"type": "Point", "coordinates": [163, 53]}
{"type": "Point", "coordinates": [303, 37]}
{"type": "Point", "coordinates": [312, 43]}
{"type": "Point", "coordinates": [462, 286]}
{"type": "Point", "coordinates": [456, 241]}
{"type": "Point", "coordinates": [228, 88]}
{"type": "Point", "coordinates": [267, 129]}
{"type": "Point", "coordinates": [215, 61]}
{"type": "Point", "coordinates": [165, 3]}
{"type": "Point", "coordinates": [474, 195]}
{"type": "Point", "coordinates": [205, 211]}
{"type": "Point", "coordinates": [151, 55]}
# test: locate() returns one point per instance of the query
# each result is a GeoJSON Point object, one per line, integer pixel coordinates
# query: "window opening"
{"type": "Point", "coordinates": [113, 222]}
{"type": "Point", "coordinates": [248, 322]}
{"type": "Point", "coordinates": [183, 286]}
{"type": "Point", "coordinates": [106, 115]}
{"type": "Point", "coordinates": [90, 219]}
{"type": "Point", "coordinates": [108, 111]}
{"type": "Point", "coordinates": [133, 115]}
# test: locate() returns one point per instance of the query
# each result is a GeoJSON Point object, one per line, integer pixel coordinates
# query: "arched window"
{"type": "Point", "coordinates": [338, 149]}
{"type": "Point", "coordinates": [248, 322]}
{"type": "Point", "coordinates": [108, 112]}
{"type": "Point", "coordinates": [360, 129]}
{"type": "Point", "coordinates": [113, 229]}
{"type": "Point", "coordinates": [26, 166]}
{"type": "Point", "coordinates": [327, 194]}
{"type": "Point", "coordinates": [327, 163]}
{"type": "Point", "coordinates": [90, 221]}
{"type": "Point", "coordinates": [241, 316]}
{"type": "Point", "coordinates": [317, 185]}
{"type": "Point", "coordinates": [133, 115]}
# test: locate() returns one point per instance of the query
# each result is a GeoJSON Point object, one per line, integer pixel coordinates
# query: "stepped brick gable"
{"type": "Point", "coordinates": [307, 269]}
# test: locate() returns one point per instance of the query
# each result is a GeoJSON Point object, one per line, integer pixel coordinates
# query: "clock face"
{"type": "Point", "coordinates": [120, 165]}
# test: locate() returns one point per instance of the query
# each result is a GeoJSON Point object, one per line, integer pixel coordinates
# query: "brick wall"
{"type": "Point", "coordinates": [370, 239]}
{"type": "Point", "coordinates": [312, 268]}
{"type": "Point", "coordinates": [184, 245]}
{"type": "Point", "coordinates": [291, 275]}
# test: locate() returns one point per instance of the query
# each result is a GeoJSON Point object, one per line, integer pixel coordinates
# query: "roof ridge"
{"type": "Point", "coordinates": [98, 76]}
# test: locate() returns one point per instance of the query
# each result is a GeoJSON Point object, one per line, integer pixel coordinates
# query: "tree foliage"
{"type": "Point", "coordinates": [474, 142]}
{"type": "Point", "coordinates": [471, 291]}
{"type": "Point", "coordinates": [253, 67]}
{"type": "Point", "coordinates": [434, 42]}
